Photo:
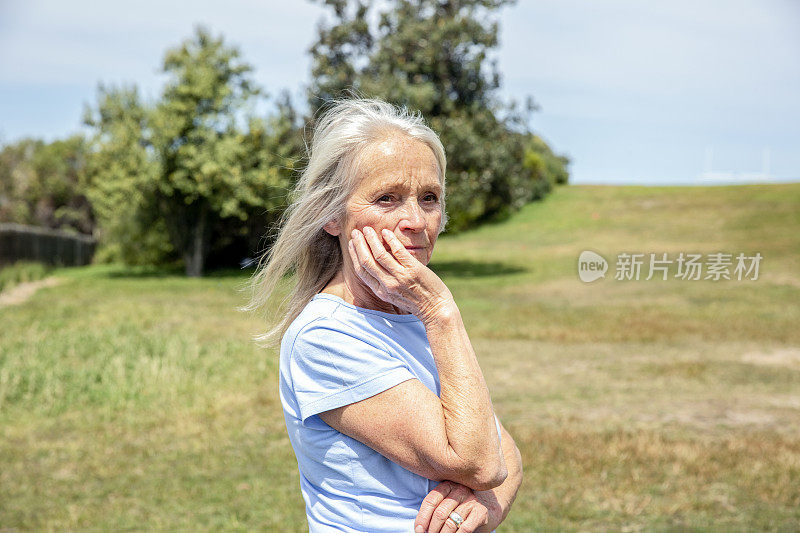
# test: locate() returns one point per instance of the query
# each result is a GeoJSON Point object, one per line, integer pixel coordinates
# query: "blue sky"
{"type": "Point", "coordinates": [634, 92]}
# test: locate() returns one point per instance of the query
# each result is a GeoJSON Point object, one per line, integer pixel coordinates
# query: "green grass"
{"type": "Point", "coordinates": [21, 272]}
{"type": "Point", "coordinates": [134, 399]}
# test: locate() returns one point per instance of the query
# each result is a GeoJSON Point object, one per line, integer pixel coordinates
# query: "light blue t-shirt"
{"type": "Point", "coordinates": [334, 354]}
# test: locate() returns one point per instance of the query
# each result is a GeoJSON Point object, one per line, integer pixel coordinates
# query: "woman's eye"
{"type": "Point", "coordinates": [430, 197]}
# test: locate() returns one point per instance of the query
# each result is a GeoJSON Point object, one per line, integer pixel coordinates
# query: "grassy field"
{"type": "Point", "coordinates": [135, 399]}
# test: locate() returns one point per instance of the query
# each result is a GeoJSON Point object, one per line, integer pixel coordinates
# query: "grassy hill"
{"type": "Point", "coordinates": [135, 399]}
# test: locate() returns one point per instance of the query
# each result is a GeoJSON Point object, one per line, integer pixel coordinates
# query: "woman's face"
{"type": "Point", "coordinates": [398, 190]}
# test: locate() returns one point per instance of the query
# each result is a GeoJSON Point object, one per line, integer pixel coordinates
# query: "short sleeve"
{"type": "Point", "coordinates": [333, 365]}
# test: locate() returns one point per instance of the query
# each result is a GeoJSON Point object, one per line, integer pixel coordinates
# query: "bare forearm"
{"type": "Point", "coordinates": [466, 404]}
{"type": "Point", "coordinates": [504, 495]}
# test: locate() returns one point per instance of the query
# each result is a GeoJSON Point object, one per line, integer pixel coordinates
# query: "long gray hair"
{"type": "Point", "coordinates": [302, 247]}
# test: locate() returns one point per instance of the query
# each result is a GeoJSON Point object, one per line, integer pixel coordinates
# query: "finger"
{"type": "Point", "coordinates": [390, 274]}
{"type": "Point", "coordinates": [429, 504]}
{"type": "Point", "coordinates": [351, 249]}
{"type": "Point", "coordinates": [363, 274]}
{"type": "Point", "coordinates": [447, 506]}
{"type": "Point", "coordinates": [366, 261]}
{"type": "Point", "coordinates": [474, 514]}
{"type": "Point", "coordinates": [450, 525]}
{"type": "Point", "coordinates": [403, 256]}
{"type": "Point", "coordinates": [463, 510]}
{"type": "Point", "coordinates": [379, 252]}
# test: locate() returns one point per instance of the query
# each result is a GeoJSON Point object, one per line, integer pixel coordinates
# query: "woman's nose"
{"type": "Point", "coordinates": [413, 217]}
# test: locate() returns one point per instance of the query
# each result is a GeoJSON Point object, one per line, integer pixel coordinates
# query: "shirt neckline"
{"type": "Point", "coordinates": [388, 316]}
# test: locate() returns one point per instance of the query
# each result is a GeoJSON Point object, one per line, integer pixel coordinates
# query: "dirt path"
{"type": "Point", "coordinates": [20, 293]}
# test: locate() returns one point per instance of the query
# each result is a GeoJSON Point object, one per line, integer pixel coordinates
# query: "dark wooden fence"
{"type": "Point", "coordinates": [30, 243]}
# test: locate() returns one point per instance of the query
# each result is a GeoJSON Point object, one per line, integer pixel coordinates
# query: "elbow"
{"type": "Point", "coordinates": [487, 477]}
{"type": "Point", "coordinates": [491, 478]}
{"type": "Point", "coordinates": [483, 472]}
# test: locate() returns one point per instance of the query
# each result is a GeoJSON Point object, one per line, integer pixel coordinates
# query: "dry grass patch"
{"type": "Point", "coordinates": [635, 480]}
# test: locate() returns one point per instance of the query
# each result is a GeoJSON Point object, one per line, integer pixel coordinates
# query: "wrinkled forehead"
{"type": "Point", "coordinates": [397, 159]}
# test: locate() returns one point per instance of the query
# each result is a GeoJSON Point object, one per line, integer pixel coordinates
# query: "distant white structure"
{"type": "Point", "coordinates": [711, 176]}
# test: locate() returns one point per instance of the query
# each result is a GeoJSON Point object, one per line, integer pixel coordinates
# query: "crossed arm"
{"type": "Point", "coordinates": [376, 427]}
{"type": "Point", "coordinates": [450, 437]}
{"type": "Point", "coordinates": [506, 493]}
{"type": "Point", "coordinates": [489, 507]}
{"type": "Point", "coordinates": [444, 438]}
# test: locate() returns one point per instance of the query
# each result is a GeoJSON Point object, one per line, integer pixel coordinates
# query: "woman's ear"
{"type": "Point", "coordinates": [333, 228]}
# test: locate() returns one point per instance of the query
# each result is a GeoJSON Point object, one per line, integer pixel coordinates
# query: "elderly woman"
{"type": "Point", "coordinates": [385, 405]}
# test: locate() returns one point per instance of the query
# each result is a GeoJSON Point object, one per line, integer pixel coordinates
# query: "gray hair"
{"type": "Point", "coordinates": [302, 246]}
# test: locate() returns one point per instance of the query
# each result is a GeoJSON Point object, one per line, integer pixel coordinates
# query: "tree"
{"type": "Point", "coordinates": [201, 173]}
{"type": "Point", "coordinates": [122, 175]}
{"type": "Point", "coordinates": [270, 150]}
{"type": "Point", "coordinates": [17, 178]}
{"type": "Point", "coordinates": [433, 56]}
{"type": "Point", "coordinates": [197, 143]}
{"type": "Point", "coordinates": [337, 50]}
{"type": "Point", "coordinates": [43, 184]}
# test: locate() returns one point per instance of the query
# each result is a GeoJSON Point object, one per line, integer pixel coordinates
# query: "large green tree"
{"type": "Point", "coordinates": [123, 176]}
{"type": "Point", "coordinates": [199, 145]}
{"type": "Point", "coordinates": [434, 56]}
{"type": "Point", "coordinates": [198, 165]}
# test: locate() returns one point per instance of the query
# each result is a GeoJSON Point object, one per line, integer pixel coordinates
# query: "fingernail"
{"type": "Point", "coordinates": [368, 229]}
{"type": "Point", "coordinates": [354, 233]}
{"type": "Point", "coordinates": [386, 232]}
{"type": "Point", "coordinates": [419, 529]}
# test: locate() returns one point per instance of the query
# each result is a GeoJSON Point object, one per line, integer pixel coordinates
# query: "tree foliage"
{"type": "Point", "coordinates": [43, 184]}
{"type": "Point", "coordinates": [197, 177]}
{"type": "Point", "coordinates": [122, 175]}
{"type": "Point", "coordinates": [434, 56]}
{"type": "Point", "coordinates": [203, 172]}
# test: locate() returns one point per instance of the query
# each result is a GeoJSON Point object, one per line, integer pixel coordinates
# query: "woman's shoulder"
{"type": "Point", "coordinates": [317, 312]}
{"type": "Point", "coordinates": [325, 313]}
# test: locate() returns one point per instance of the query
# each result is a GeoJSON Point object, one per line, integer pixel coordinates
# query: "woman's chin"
{"type": "Point", "coordinates": [421, 255]}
